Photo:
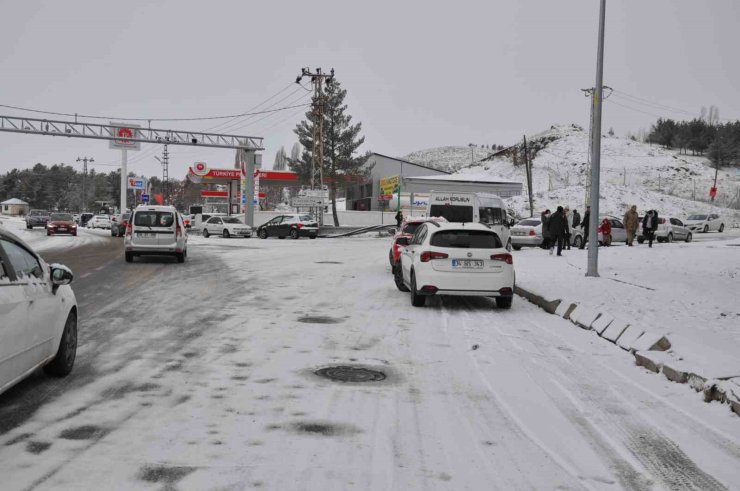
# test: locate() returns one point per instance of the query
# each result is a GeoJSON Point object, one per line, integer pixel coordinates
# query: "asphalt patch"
{"type": "Point", "coordinates": [85, 432]}
{"type": "Point", "coordinates": [37, 447]}
{"type": "Point", "coordinates": [319, 319]}
{"type": "Point", "coordinates": [323, 428]}
{"type": "Point", "coordinates": [345, 373]}
{"type": "Point", "coordinates": [164, 474]}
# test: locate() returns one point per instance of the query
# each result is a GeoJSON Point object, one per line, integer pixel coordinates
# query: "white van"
{"type": "Point", "coordinates": [156, 231]}
{"type": "Point", "coordinates": [483, 208]}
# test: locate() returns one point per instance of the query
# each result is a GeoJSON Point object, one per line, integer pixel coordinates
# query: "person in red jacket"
{"type": "Point", "coordinates": [606, 232]}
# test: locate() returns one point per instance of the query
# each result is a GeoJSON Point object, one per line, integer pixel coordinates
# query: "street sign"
{"type": "Point", "coordinates": [145, 198]}
{"type": "Point", "coordinates": [125, 132]}
{"type": "Point", "coordinates": [713, 192]}
{"type": "Point", "coordinates": [199, 169]}
{"type": "Point", "coordinates": [307, 201]}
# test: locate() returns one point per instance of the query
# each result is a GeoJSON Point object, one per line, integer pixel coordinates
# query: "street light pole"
{"type": "Point", "coordinates": [593, 232]}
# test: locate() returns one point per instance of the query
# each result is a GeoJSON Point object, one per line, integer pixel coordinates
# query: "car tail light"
{"type": "Point", "coordinates": [661, 221]}
{"type": "Point", "coordinates": [128, 229]}
{"type": "Point", "coordinates": [532, 232]}
{"type": "Point", "coordinates": [507, 258]}
{"type": "Point", "coordinates": [178, 230]}
{"type": "Point", "coordinates": [505, 291]}
{"type": "Point", "coordinates": [429, 289]}
{"type": "Point", "coordinates": [427, 256]}
{"type": "Point", "coordinates": [299, 225]}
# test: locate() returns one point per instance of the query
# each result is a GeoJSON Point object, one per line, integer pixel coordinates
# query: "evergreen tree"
{"type": "Point", "coordinates": [341, 141]}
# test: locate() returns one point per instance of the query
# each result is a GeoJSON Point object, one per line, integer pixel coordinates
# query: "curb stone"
{"type": "Point", "coordinates": [651, 341]}
{"type": "Point", "coordinates": [565, 308]}
{"type": "Point", "coordinates": [584, 316]}
{"type": "Point", "coordinates": [602, 323]}
{"type": "Point", "coordinates": [548, 306]}
{"type": "Point", "coordinates": [615, 330]}
{"type": "Point", "coordinates": [629, 336]}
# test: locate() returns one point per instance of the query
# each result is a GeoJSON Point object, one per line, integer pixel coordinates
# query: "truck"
{"type": "Point", "coordinates": [37, 218]}
{"type": "Point", "coordinates": [474, 207]}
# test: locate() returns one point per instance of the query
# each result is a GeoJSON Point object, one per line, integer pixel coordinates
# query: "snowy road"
{"type": "Point", "coordinates": [200, 376]}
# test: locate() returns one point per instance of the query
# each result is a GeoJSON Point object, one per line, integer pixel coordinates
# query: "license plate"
{"type": "Point", "coordinates": [145, 235]}
{"type": "Point", "coordinates": [517, 232]}
{"type": "Point", "coordinates": [62, 229]}
{"type": "Point", "coordinates": [467, 263]}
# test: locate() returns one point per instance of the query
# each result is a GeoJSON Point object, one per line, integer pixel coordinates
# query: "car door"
{"type": "Point", "coordinates": [14, 311]}
{"type": "Point", "coordinates": [618, 232]}
{"type": "Point", "coordinates": [408, 254]}
{"type": "Point", "coordinates": [213, 225]}
{"type": "Point", "coordinates": [679, 232]}
{"type": "Point", "coordinates": [276, 226]}
{"type": "Point", "coordinates": [714, 223]}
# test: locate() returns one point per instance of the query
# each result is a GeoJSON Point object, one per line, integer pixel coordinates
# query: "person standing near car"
{"type": "Point", "coordinates": [605, 229]}
{"type": "Point", "coordinates": [649, 226]}
{"type": "Point", "coordinates": [566, 239]}
{"type": "Point", "coordinates": [586, 222]}
{"type": "Point", "coordinates": [631, 223]}
{"type": "Point", "coordinates": [399, 219]}
{"type": "Point", "coordinates": [545, 219]}
{"type": "Point", "coordinates": [558, 225]}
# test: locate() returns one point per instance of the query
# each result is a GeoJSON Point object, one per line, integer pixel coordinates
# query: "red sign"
{"type": "Point", "coordinates": [214, 194]}
{"type": "Point", "coordinates": [713, 192]}
{"type": "Point", "coordinates": [276, 175]}
{"type": "Point", "coordinates": [385, 197]}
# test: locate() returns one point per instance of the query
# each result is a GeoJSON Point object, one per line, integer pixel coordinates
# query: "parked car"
{"type": "Point", "coordinates": [39, 314]}
{"type": "Point", "coordinates": [709, 222]}
{"type": "Point", "coordinates": [61, 223]}
{"type": "Point", "coordinates": [619, 233]}
{"type": "Point", "coordinates": [76, 217]}
{"type": "Point", "coordinates": [527, 233]}
{"type": "Point", "coordinates": [403, 235]}
{"type": "Point", "coordinates": [293, 226]}
{"type": "Point", "coordinates": [85, 219]}
{"type": "Point", "coordinates": [118, 224]}
{"type": "Point", "coordinates": [155, 231]}
{"type": "Point", "coordinates": [669, 229]}
{"type": "Point", "coordinates": [99, 221]}
{"type": "Point", "coordinates": [228, 226]}
{"type": "Point", "coordinates": [460, 259]}
{"type": "Point", "coordinates": [37, 218]}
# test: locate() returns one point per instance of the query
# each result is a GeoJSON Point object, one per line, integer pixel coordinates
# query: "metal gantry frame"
{"type": "Point", "coordinates": [74, 129]}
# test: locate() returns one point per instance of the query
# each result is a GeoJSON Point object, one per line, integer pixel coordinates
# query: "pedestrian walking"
{"type": "Point", "coordinates": [576, 218]}
{"type": "Point", "coordinates": [649, 226]}
{"type": "Point", "coordinates": [585, 223]}
{"type": "Point", "coordinates": [631, 223]}
{"type": "Point", "coordinates": [558, 225]}
{"type": "Point", "coordinates": [605, 229]}
{"type": "Point", "coordinates": [545, 219]}
{"type": "Point", "coordinates": [568, 218]}
{"type": "Point", "coordinates": [399, 219]}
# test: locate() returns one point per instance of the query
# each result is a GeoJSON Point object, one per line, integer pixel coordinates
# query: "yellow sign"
{"type": "Point", "coordinates": [389, 185]}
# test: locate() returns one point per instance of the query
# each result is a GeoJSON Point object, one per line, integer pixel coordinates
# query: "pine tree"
{"type": "Point", "coordinates": [341, 141]}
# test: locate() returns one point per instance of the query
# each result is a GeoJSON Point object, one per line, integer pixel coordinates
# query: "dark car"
{"type": "Point", "coordinates": [37, 218]}
{"type": "Point", "coordinates": [293, 226]}
{"type": "Point", "coordinates": [84, 218]}
{"type": "Point", "coordinates": [61, 223]}
{"type": "Point", "coordinates": [118, 224]}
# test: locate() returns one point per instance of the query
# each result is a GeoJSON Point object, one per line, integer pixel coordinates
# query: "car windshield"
{"type": "Point", "coordinates": [231, 220]}
{"type": "Point", "coordinates": [61, 217]}
{"type": "Point", "coordinates": [452, 213]}
{"type": "Point", "coordinates": [102, 217]}
{"type": "Point", "coordinates": [529, 223]}
{"type": "Point", "coordinates": [305, 218]}
{"type": "Point", "coordinates": [466, 239]}
{"type": "Point", "coordinates": [39, 212]}
{"type": "Point", "coordinates": [697, 217]}
{"type": "Point", "coordinates": [154, 218]}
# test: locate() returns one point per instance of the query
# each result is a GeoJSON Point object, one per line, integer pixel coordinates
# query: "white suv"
{"type": "Point", "coordinates": [156, 231]}
{"type": "Point", "coordinates": [461, 259]}
{"type": "Point", "coordinates": [705, 222]}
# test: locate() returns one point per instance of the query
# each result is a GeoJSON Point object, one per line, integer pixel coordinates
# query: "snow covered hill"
{"type": "Point", "coordinates": [448, 158]}
{"type": "Point", "coordinates": [631, 173]}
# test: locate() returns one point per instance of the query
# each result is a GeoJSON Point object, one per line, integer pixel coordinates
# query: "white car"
{"type": "Point", "coordinates": [459, 259]}
{"type": "Point", "coordinates": [527, 233]}
{"type": "Point", "coordinates": [155, 231]}
{"type": "Point", "coordinates": [228, 226]}
{"type": "Point", "coordinates": [705, 222]}
{"type": "Point", "coordinates": [38, 314]}
{"type": "Point", "coordinates": [99, 221]}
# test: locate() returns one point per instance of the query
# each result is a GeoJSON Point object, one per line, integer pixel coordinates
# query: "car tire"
{"type": "Point", "coordinates": [659, 239]}
{"type": "Point", "coordinates": [312, 236]}
{"type": "Point", "coordinates": [706, 229]}
{"type": "Point", "coordinates": [398, 278]}
{"type": "Point", "coordinates": [226, 234]}
{"type": "Point", "coordinates": [129, 257]}
{"type": "Point", "coordinates": [281, 237]}
{"type": "Point", "coordinates": [508, 245]}
{"type": "Point", "coordinates": [578, 242]}
{"type": "Point", "coordinates": [640, 241]}
{"type": "Point", "coordinates": [262, 234]}
{"type": "Point", "coordinates": [390, 258]}
{"type": "Point", "coordinates": [294, 234]}
{"type": "Point", "coordinates": [64, 360]}
{"type": "Point", "coordinates": [48, 233]}
{"type": "Point", "coordinates": [517, 248]}
{"type": "Point", "coordinates": [205, 233]}
{"type": "Point", "coordinates": [180, 257]}
{"type": "Point", "coordinates": [669, 239]}
{"type": "Point", "coordinates": [504, 302]}
{"type": "Point", "coordinates": [689, 238]}
{"type": "Point", "coordinates": [416, 299]}
{"type": "Point", "coordinates": [721, 227]}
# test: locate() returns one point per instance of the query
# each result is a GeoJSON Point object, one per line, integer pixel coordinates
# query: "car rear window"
{"type": "Point", "coordinates": [305, 218]}
{"type": "Point", "coordinates": [466, 239]}
{"type": "Point", "coordinates": [529, 223]}
{"type": "Point", "coordinates": [154, 218]}
{"type": "Point", "coordinates": [61, 217]}
{"type": "Point", "coordinates": [410, 228]}
{"type": "Point", "coordinates": [452, 213]}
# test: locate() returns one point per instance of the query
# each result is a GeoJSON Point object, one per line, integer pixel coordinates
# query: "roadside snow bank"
{"type": "Point", "coordinates": [39, 241]}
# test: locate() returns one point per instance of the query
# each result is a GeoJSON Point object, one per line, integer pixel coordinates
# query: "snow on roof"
{"type": "Point", "coordinates": [13, 201]}
{"type": "Point", "coordinates": [487, 179]}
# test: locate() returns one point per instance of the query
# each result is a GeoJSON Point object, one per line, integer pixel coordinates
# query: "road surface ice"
{"type": "Point", "coordinates": [200, 376]}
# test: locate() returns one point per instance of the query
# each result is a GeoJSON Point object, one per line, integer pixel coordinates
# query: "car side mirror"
{"type": "Point", "coordinates": [511, 222]}
{"type": "Point", "coordinates": [60, 275]}
{"type": "Point", "coordinates": [404, 241]}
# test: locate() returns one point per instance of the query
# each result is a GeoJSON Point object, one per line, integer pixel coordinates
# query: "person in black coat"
{"type": "Point", "coordinates": [649, 226]}
{"type": "Point", "coordinates": [558, 227]}
{"type": "Point", "coordinates": [585, 222]}
{"type": "Point", "coordinates": [399, 219]}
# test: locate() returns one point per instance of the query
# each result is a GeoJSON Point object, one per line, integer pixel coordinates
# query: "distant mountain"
{"type": "Point", "coordinates": [448, 159]}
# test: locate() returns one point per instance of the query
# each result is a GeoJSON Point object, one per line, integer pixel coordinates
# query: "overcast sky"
{"type": "Point", "coordinates": [419, 74]}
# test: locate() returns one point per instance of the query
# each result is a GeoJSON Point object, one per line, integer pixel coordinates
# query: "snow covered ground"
{"type": "Point", "coordinates": [450, 158]}
{"type": "Point", "coordinates": [206, 382]}
{"type": "Point", "coordinates": [39, 241]}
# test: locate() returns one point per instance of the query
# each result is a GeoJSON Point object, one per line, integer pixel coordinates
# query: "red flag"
{"type": "Point", "coordinates": [159, 198]}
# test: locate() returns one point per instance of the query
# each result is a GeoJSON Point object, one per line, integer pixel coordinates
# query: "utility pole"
{"type": "Point", "coordinates": [166, 173]}
{"type": "Point", "coordinates": [318, 78]}
{"type": "Point", "coordinates": [84, 161]}
{"type": "Point", "coordinates": [528, 170]}
{"type": "Point", "coordinates": [593, 233]}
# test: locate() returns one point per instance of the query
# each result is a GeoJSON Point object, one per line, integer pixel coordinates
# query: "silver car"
{"type": "Point", "coordinates": [526, 233]}
{"type": "Point", "coordinates": [705, 222]}
{"type": "Point", "coordinates": [156, 231]}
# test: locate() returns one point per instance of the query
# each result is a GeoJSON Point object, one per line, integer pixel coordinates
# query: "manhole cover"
{"type": "Point", "coordinates": [350, 374]}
